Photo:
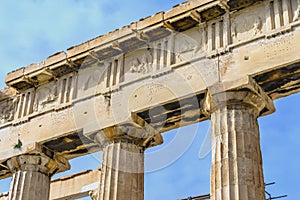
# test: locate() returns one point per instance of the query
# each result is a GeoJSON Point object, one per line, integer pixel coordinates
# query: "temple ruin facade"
{"type": "Point", "coordinates": [219, 60]}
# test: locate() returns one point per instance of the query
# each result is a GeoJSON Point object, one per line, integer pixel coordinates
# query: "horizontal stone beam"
{"type": "Point", "coordinates": [73, 186]}
{"type": "Point", "coordinates": [4, 196]}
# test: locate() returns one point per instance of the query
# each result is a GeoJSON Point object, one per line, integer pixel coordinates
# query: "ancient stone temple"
{"type": "Point", "coordinates": [219, 60]}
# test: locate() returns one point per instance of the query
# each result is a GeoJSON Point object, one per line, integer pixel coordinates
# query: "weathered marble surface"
{"type": "Point", "coordinates": [153, 76]}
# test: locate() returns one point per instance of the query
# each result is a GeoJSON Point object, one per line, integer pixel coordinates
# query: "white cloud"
{"type": "Point", "coordinates": [30, 31]}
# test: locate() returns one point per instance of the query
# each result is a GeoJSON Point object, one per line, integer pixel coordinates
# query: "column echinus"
{"type": "Point", "coordinates": [123, 149]}
{"type": "Point", "coordinates": [236, 172]}
{"type": "Point", "coordinates": [32, 173]}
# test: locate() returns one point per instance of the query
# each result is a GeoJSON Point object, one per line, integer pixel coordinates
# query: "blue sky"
{"type": "Point", "coordinates": [32, 30]}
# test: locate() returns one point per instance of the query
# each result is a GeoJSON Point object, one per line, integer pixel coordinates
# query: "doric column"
{"type": "Point", "coordinates": [122, 174]}
{"type": "Point", "coordinates": [236, 172]}
{"type": "Point", "coordinates": [122, 171]}
{"type": "Point", "coordinates": [31, 176]}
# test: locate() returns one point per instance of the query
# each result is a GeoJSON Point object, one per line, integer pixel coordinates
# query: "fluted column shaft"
{"type": "Point", "coordinates": [31, 185]}
{"type": "Point", "coordinates": [31, 175]}
{"type": "Point", "coordinates": [122, 174]}
{"type": "Point", "coordinates": [236, 172]}
{"type": "Point", "coordinates": [123, 146]}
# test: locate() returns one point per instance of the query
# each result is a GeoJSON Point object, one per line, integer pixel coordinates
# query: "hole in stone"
{"type": "Point", "coordinates": [246, 58]}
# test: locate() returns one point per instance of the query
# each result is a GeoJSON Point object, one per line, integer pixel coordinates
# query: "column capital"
{"type": "Point", "coordinates": [38, 163]}
{"type": "Point", "coordinates": [242, 92]}
{"type": "Point", "coordinates": [128, 133]}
